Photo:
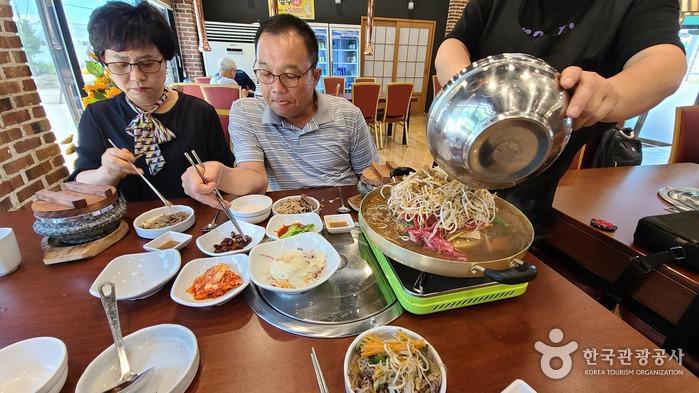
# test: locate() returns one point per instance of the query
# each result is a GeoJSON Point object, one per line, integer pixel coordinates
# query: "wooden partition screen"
{"type": "Point", "coordinates": [402, 53]}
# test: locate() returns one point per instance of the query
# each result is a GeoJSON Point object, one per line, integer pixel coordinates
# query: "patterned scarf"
{"type": "Point", "coordinates": [148, 132]}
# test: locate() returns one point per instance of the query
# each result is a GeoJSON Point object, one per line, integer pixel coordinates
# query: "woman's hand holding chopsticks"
{"type": "Point", "coordinates": [117, 163]}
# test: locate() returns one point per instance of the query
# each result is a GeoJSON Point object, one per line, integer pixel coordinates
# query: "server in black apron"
{"type": "Point", "coordinates": [620, 57]}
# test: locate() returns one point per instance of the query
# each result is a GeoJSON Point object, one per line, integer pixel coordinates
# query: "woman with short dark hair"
{"type": "Point", "coordinates": [152, 125]}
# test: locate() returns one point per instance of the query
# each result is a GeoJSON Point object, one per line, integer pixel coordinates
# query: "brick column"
{"type": "Point", "coordinates": [456, 8]}
{"type": "Point", "coordinates": [30, 159]}
{"type": "Point", "coordinates": [187, 36]}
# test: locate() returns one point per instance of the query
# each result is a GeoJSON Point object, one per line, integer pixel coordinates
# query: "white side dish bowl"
{"type": "Point", "coordinates": [262, 256]}
{"type": "Point", "coordinates": [280, 220]}
{"type": "Point", "coordinates": [390, 331]}
{"type": "Point", "coordinates": [137, 276]}
{"type": "Point", "coordinates": [518, 386]}
{"type": "Point", "coordinates": [251, 205]}
{"type": "Point", "coordinates": [207, 241]}
{"type": "Point", "coordinates": [313, 201]}
{"type": "Point", "coordinates": [191, 270]}
{"type": "Point", "coordinates": [332, 218]}
{"type": "Point", "coordinates": [153, 233]}
{"type": "Point", "coordinates": [180, 240]}
{"type": "Point", "coordinates": [38, 364]}
{"type": "Point", "coordinates": [171, 349]}
{"type": "Point", "coordinates": [255, 219]}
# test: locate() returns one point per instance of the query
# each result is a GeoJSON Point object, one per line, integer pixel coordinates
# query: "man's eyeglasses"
{"type": "Point", "coordinates": [123, 68]}
{"type": "Point", "coordinates": [287, 79]}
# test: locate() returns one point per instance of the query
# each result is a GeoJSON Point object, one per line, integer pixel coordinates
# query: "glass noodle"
{"type": "Point", "coordinates": [295, 206]}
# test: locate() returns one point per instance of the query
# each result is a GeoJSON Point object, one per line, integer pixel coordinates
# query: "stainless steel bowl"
{"type": "Point", "coordinates": [499, 121]}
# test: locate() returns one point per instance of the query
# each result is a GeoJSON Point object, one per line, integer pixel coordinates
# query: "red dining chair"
{"type": "Point", "coordinates": [363, 79]}
{"type": "Point", "coordinates": [221, 97]}
{"type": "Point", "coordinates": [202, 79]}
{"type": "Point", "coordinates": [334, 85]}
{"type": "Point", "coordinates": [365, 96]}
{"type": "Point", "coordinates": [685, 141]}
{"type": "Point", "coordinates": [193, 89]}
{"type": "Point", "coordinates": [398, 95]}
{"type": "Point", "coordinates": [577, 162]}
{"type": "Point", "coordinates": [436, 87]}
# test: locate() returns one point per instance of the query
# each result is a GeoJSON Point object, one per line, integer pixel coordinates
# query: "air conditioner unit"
{"type": "Point", "coordinates": [234, 40]}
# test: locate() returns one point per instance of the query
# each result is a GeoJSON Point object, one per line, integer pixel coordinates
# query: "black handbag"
{"type": "Point", "coordinates": [617, 147]}
{"type": "Point", "coordinates": [669, 238]}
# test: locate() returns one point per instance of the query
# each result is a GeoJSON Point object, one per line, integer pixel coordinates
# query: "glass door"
{"type": "Point", "coordinates": [656, 127]}
{"type": "Point", "coordinates": [48, 56]}
{"type": "Point", "coordinates": [321, 31]}
{"type": "Point", "coordinates": [345, 53]}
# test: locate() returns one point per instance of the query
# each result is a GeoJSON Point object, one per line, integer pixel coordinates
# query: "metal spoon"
{"type": "Point", "coordinates": [343, 208]}
{"type": "Point", "coordinates": [129, 380]}
{"type": "Point", "coordinates": [212, 225]}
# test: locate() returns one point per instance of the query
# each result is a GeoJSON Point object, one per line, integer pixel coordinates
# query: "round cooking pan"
{"type": "Point", "coordinates": [495, 255]}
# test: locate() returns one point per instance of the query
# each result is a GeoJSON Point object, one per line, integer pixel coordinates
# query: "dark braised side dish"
{"type": "Point", "coordinates": [235, 242]}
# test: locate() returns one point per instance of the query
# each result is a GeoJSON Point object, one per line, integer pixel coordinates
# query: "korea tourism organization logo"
{"type": "Point", "coordinates": [549, 352]}
{"type": "Point", "coordinates": [621, 362]}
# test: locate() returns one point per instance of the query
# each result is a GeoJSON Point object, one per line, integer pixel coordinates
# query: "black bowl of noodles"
{"type": "Point", "coordinates": [379, 355]}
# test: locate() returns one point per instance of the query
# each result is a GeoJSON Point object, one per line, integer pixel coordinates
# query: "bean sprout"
{"type": "Point", "coordinates": [430, 194]}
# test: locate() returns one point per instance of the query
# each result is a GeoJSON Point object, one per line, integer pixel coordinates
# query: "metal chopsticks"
{"type": "Point", "coordinates": [216, 193]}
{"type": "Point", "coordinates": [319, 373]}
{"type": "Point", "coordinates": [152, 187]}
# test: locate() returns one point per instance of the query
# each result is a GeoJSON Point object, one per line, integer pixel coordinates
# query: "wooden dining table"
{"type": "Point", "coordinates": [624, 195]}
{"type": "Point", "coordinates": [484, 347]}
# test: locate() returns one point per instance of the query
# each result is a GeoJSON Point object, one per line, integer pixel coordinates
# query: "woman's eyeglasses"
{"type": "Point", "coordinates": [287, 79]}
{"type": "Point", "coordinates": [123, 68]}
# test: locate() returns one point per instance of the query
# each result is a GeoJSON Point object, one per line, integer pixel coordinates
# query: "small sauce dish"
{"type": "Point", "coordinates": [168, 240]}
{"type": "Point", "coordinates": [338, 223]}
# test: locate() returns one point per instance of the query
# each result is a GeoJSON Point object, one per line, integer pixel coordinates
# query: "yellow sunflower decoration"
{"type": "Point", "coordinates": [102, 87]}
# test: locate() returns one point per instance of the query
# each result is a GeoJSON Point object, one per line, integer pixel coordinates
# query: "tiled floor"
{"type": "Point", "coordinates": [416, 154]}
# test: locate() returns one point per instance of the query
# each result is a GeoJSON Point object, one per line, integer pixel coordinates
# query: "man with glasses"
{"type": "Point", "coordinates": [299, 137]}
{"type": "Point", "coordinates": [151, 126]}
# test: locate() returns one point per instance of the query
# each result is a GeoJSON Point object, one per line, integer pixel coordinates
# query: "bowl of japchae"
{"type": "Point", "coordinates": [392, 358]}
{"type": "Point", "coordinates": [155, 222]}
{"type": "Point", "coordinates": [296, 204]}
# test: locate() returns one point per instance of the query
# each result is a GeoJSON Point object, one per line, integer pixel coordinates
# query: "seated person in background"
{"type": "Point", "coordinates": [226, 72]}
{"type": "Point", "coordinates": [618, 58]}
{"type": "Point", "coordinates": [229, 74]}
{"type": "Point", "coordinates": [297, 136]}
{"type": "Point", "coordinates": [152, 126]}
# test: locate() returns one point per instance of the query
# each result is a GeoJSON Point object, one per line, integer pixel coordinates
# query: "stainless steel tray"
{"type": "Point", "coordinates": [357, 297]}
{"type": "Point", "coordinates": [683, 198]}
